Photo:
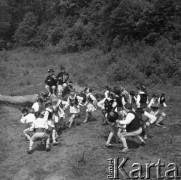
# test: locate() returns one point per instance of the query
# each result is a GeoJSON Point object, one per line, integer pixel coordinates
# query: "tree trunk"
{"type": "Point", "coordinates": [18, 99]}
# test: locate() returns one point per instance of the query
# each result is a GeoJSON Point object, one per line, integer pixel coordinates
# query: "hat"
{"type": "Point", "coordinates": [50, 70]}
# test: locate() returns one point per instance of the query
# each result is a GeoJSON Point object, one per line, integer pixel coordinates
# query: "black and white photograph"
{"type": "Point", "coordinates": [90, 89]}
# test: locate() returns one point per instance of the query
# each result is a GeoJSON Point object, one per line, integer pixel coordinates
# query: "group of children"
{"type": "Point", "coordinates": [45, 117]}
{"type": "Point", "coordinates": [125, 113]}
{"type": "Point", "coordinates": [130, 115]}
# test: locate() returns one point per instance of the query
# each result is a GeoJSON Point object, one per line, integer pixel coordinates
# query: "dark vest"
{"type": "Point", "coordinates": [133, 101]}
{"type": "Point", "coordinates": [73, 101]}
{"type": "Point", "coordinates": [89, 99]}
{"type": "Point", "coordinates": [108, 104]}
{"type": "Point", "coordinates": [143, 98]}
{"type": "Point", "coordinates": [119, 101]}
{"type": "Point", "coordinates": [50, 115]}
{"type": "Point", "coordinates": [162, 100]}
{"type": "Point", "coordinates": [50, 81]}
{"type": "Point", "coordinates": [135, 123]}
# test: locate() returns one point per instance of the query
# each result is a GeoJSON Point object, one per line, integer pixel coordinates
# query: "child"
{"type": "Point", "coordinates": [133, 99]}
{"type": "Point", "coordinates": [91, 102]}
{"type": "Point", "coordinates": [27, 118]}
{"type": "Point", "coordinates": [156, 110]}
{"type": "Point", "coordinates": [74, 102]}
{"type": "Point", "coordinates": [133, 127]}
{"type": "Point", "coordinates": [48, 116]}
{"type": "Point", "coordinates": [107, 105]}
{"type": "Point", "coordinates": [142, 97]}
{"type": "Point", "coordinates": [58, 112]}
{"type": "Point", "coordinates": [38, 105]}
{"type": "Point", "coordinates": [39, 126]}
{"type": "Point", "coordinates": [111, 119]}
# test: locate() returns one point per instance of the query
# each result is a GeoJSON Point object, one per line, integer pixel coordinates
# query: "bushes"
{"type": "Point", "coordinates": [26, 30]}
{"type": "Point", "coordinates": [77, 38]}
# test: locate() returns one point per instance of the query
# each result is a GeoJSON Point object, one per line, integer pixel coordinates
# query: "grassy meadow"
{"type": "Point", "coordinates": [23, 71]}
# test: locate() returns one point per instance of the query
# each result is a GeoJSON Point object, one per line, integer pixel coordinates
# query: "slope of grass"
{"type": "Point", "coordinates": [82, 154]}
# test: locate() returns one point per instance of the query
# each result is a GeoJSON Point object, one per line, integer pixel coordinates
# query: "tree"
{"type": "Point", "coordinates": [26, 30]}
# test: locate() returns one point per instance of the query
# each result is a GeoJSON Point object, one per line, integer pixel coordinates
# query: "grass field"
{"type": "Point", "coordinates": [82, 153]}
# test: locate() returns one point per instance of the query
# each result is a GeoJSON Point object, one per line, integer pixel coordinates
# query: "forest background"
{"type": "Point", "coordinates": [117, 41]}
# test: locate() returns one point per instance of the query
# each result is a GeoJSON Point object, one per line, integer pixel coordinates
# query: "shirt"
{"type": "Point", "coordinates": [154, 103]}
{"type": "Point", "coordinates": [39, 123]}
{"type": "Point", "coordinates": [139, 98]}
{"type": "Point", "coordinates": [36, 107]}
{"type": "Point", "coordinates": [47, 112]}
{"type": "Point", "coordinates": [106, 94]}
{"type": "Point", "coordinates": [79, 98]}
{"type": "Point", "coordinates": [90, 98]}
{"type": "Point", "coordinates": [128, 119]}
{"type": "Point", "coordinates": [29, 118]}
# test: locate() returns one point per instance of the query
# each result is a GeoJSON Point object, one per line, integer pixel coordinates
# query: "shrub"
{"type": "Point", "coordinates": [26, 30]}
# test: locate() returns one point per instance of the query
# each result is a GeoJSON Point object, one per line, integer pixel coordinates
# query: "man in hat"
{"type": "Point", "coordinates": [62, 79]}
{"type": "Point", "coordinates": [51, 82]}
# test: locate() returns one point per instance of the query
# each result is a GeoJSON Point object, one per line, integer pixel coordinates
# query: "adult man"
{"type": "Point", "coordinates": [62, 79]}
{"type": "Point", "coordinates": [39, 126]}
{"type": "Point", "coordinates": [51, 82]}
{"type": "Point", "coordinates": [133, 127]}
